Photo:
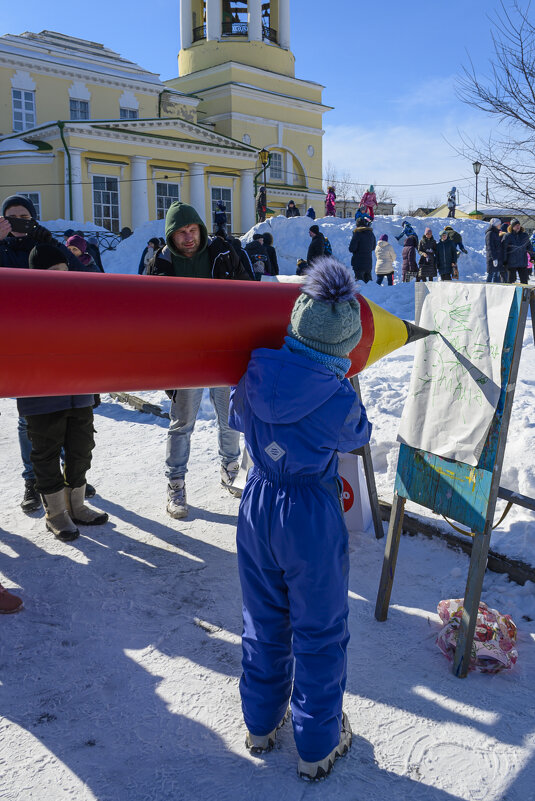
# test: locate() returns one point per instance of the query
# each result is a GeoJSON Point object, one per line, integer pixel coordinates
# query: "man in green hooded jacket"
{"type": "Point", "coordinates": [188, 253]}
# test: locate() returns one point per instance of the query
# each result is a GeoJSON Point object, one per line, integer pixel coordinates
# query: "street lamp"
{"type": "Point", "coordinates": [264, 160]}
{"type": "Point", "coordinates": [476, 167]}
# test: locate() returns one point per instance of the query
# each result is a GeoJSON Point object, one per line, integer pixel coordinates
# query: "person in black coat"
{"type": "Point", "coordinates": [427, 249]}
{"type": "Point", "coordinates": [292, 210]}
{"type": "Point", "coordinates": [94, 252]}
{"type": "Point", "coordinates": [446, 256]}
{"type": "Point", "coordinates": [243, 256]}
{"type": "Point", "coordinates": [362, 246]}
{"type": "Point", "coordinates": [272, 253]}
{"type": "Point", "coordinates": [317, 245]}
{"type": "Point", "coordinates": [516, 246]}
{"type": "Point", "coordinates": [220, 217]}
{"type": "Point", "coordinates": [496, 273]}
{"type": "Point", "coordinates": [258, 254]}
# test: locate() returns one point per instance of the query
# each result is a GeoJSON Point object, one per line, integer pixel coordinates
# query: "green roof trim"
{"type": "Point", "coordinates": [39, 144]}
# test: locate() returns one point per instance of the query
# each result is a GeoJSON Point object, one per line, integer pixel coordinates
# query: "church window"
{"type": "Point", "coordinates": [128, 114]}
{"type": "Point", "coordinates": [23, 109]}
{"type": "Point", "coordinates": [235, 18]}
{"type": "Point", "coordinates": [79, 109]}
{"type": "Point", "coordinates": [106, 202]}
{"type": "Point", "coordinates": [166, 193]}
{"type": "Point", "coordinates": [275, 167]}
{"type": "Point", "coordinates": [221, 193]}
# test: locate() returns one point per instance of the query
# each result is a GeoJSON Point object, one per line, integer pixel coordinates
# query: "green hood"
{"type": "Point", "coordinates": [178, 215]}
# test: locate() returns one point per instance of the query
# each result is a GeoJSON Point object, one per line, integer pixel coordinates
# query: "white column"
{"type": "Point", "coordinates": [186, 24]}
{"type": "Point", "coordinates": [214, 18]}
{"type": "Point", "coordinates": [77, 188]}
{"type": "Point", "coordinates": [139, 190]}
{"type": "Point", "coordinates": [255, 20]}
{"type": "Point", "coordinates": [247, 200]}
{"type": "Point", "coordinates": [284, 24]}
{"type": "Point", "coordinates": [289, 169]}
{"type": "Point", "coordinates": [197, 195]}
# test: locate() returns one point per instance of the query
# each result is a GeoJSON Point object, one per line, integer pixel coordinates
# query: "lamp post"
{"type": "Point", "coordinates": [264, 160]}
{"type": "Point", "coordinates": [476, 167]}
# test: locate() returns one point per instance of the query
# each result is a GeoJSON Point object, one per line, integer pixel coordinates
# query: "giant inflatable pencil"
{"type": "Point", "coordinates": [73, 333]}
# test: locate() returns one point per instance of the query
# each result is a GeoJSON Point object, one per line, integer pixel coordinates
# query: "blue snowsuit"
{"type": "Point", "coordinates": [292, 544]}
{"type": "Point", "coordinates": [408, 230]}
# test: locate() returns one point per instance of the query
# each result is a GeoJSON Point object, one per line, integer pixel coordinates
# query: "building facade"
{"type": "Point", "coordinates": [91, 136]}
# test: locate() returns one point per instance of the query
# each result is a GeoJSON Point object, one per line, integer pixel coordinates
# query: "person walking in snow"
{"type": "Point", "coordinates": [409, 267]}
{"type": "Point", "coordinates": [292, 541]}
{"type": "Point", "coordinates": [149, 251]}
{"type": "Point", "coordinates": [362, 246]}
{"type": "Point", "coordinates": [446, 257]}
{"type": "Point", "coordinates": [189, 253]}
{"type": "Point", "coordinates": [427, 250]}
{"type": "Point", "coordinates": [272, 254]}
{"type": "Point", "coordinates": [496, 273]}
{"type": "Point", "coordinates": [406, 230]}
{"type": "Point", "coordinates": [292, 210]}
{"type": "Point", "coordinates": [311, 213]}
{"type": "Point", "coordinates": [56, 424]}
{"type": "Point", "coordinates": [317, 245]}
{"type": "Point", "coordinates": [330, 202]}
{"type": "Point", "coordinates": [452, 201]}
{"type": "Point", "coordinates": [516, 246]}
{"type": "Point", "coordinates": [258, 255]}
{"type": "Point", "coordinates": [361, 214]}
{"type": "Point", "coordinates": [368, 201]}
{"type": "Point", "coordinates": [385, 257]}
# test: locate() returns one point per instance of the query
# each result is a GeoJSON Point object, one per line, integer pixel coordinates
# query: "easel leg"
{"type": "Point", "coordinates": [367, 463]}
{"type": "Point", "coordinates": [472, 595]}
{"type": "Point", "coordinates": [395, 526]}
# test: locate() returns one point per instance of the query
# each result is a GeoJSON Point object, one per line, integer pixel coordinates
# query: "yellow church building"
{"type": "Point", "coordinates": [91, 136]}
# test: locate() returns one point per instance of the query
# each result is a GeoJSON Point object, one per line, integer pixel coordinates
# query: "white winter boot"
{"type": "Point", "coordinates": [81, 514]}
{"type": "Point", "coordinates": [229, 474]}
{"type": "Point", "coordinates": [57, 518]}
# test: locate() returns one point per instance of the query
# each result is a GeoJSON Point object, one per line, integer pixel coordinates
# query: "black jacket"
{"type": "Point", "coordinates": [494, 248]}
{"type": "Point", "coordinates": [427, 266]}
{"type": "Point", "coordinates": [316, 247]}
{"type": "Point", "coordinates": [259, 253]}
{"type": "Point", "coordinates": [446, 256]}
{"type": "Point", "coordinates": [516, 247]}
{"type": "Point", "coordinates": [292, 211]}
{"type": "Point", "coordinates": [15, 252]}
{"type": "Point", "coordinates": [223, 259]}
{"type": "Point", "coordinates": [362, 246]}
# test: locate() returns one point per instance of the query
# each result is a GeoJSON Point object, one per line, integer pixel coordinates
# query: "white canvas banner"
{"type": "Point", "coordinates": [456, 378]}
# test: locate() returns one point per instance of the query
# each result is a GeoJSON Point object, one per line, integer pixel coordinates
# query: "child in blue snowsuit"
{"type": "Point", "coordinates": [297, 411]}
{"type": "Point", "coordinates": [408, 230]}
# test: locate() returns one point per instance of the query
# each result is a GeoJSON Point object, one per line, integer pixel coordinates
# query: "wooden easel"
{"type": "Point", "coordinates": [419, 478]}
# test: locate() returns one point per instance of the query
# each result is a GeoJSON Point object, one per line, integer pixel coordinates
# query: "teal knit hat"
{"type": "Point", "coordinates": [326, 315]}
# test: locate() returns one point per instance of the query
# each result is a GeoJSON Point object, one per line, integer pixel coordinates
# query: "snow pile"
{"type": "Point", "coordinates": [60, 225]}
{"type": "Point", "coordinates": [125, 258]}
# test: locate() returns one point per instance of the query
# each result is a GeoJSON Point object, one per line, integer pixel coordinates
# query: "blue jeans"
{"type": "Point", "coordinates": [495, 277]}
{"type": "Point", "coordinates": [25, 450]}
{"type": "Point", "coordinates": [183, 414]}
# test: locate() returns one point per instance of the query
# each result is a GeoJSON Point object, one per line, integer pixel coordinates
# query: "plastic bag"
{"type": "Point", "coordinates": [493, 648]}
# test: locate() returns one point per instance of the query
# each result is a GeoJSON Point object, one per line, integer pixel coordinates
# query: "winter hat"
{"type": "Point", "coordinates": [78, 242]}
{"type": "Point", "coordinates": [514, 221]}
{"type": "Point", "coordinates": [256, 237]}
{"type": "Point", "coordinates": [69, 232]}
{"type": "Point", "coordinates": [383, 238]}
{"type": "Point", "coordinates": [371, 189]}
{"type": "Point", "coordinates": [315, 229]}
{"type": "Point", "coordinates": [495, 222]}
{"type": "Point", "coordinates": [291, 203]}
{"type": "Point", "coordinates": [504, 227]}
{"type": "Point", "coordinates": [154, 241]}
{"type": "Point", "coordinates": [363, 221]}
{"type": "Point", "coordinates": [43, 256]}
{"type": "Point", "coordinates": [221, 206]}
{"type": "Point", "coordinates": [443, 232]}
{"type": "Point", "coordinates": [326, 315]}
{"type": "Point", "coordinates": [18, 200]}
{"type": "Point", "coordinates": [428, 231]}
{"type": "Point", "coordinates": [268, 238]}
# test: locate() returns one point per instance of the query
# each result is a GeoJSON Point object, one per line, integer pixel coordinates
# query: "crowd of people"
{"type": "Point", "coordinates": [290, 513]}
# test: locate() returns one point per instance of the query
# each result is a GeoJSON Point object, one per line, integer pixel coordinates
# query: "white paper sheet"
{"type": "Point", "coordinates": [456, 382]}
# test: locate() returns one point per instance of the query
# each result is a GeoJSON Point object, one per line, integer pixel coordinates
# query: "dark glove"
{"type": "Point", "coordinates": [171, 393]}
{"type": "Point", "coordinates": [96, 401]}
{"type": "Point", "coordinates": [41, 234]}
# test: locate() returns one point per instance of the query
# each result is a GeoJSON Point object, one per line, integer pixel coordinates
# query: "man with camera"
{"type": "Point", "coordinates": [19, 233]}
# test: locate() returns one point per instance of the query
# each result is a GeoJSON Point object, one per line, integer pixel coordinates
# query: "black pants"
{"type": "Point", "coordinates": [362, 275]}
{"type": "Point", "coordinates": [389, 277]}
{"type": "Point", "coordinates": [423, 278]}
{"type": "Point", "coordinates": [70, 429]}
{"type": "Point", "coordinates": [451, 213]}
{"type": "Point", "coordinates": [523, 275]}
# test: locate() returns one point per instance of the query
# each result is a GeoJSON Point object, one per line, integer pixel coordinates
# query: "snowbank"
{"type": "Point", "coordinates": [60, 225]}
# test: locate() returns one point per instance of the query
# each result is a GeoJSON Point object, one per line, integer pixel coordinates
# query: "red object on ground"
{"type": "Point", "coordinates": [8, 602]}
{"type": "Point", "coordinates": [74, 333]}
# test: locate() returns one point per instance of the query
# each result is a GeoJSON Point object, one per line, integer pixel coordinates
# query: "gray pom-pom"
{"type": "Point", "coordinates": [329, 280]}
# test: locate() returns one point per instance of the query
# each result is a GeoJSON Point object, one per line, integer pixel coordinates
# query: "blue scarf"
{"type": "Point", "coordinates": [337, 364]}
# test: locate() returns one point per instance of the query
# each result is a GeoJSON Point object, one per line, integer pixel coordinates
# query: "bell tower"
{"type": "Point", "coordinates": [235, 57]}
{"type": "Point", "coordinates": [252, 32]}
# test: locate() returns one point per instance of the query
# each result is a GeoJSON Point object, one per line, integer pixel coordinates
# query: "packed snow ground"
{"type": "Point", "coordinates": [119, 679]}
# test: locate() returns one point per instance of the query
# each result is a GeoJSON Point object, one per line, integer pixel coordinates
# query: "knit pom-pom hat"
{"type": "Point", "coordinates": [326, 315]}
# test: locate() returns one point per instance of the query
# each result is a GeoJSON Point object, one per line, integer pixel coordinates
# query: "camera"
{"type": "Point", "coordinates": [22, 226]}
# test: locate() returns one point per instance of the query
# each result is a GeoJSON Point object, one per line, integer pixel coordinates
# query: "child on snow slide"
{"type": "Point", "coordinates": [297, 411]}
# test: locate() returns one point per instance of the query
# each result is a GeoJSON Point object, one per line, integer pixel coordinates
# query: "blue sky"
{"type": "Point", "coordinates": [388, 68]}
